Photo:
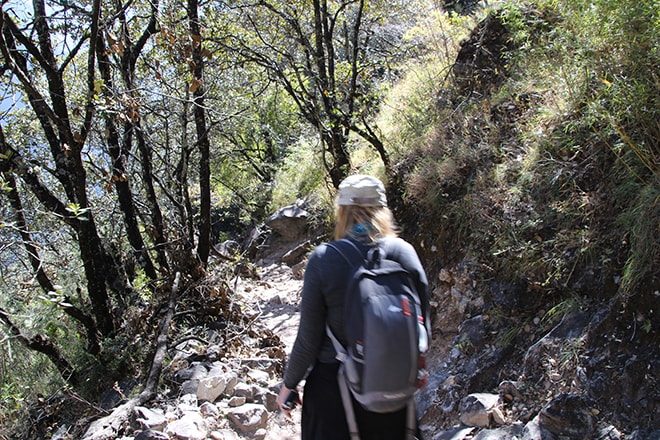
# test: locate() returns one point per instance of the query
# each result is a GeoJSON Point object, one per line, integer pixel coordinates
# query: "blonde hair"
{"type": "Point", "coordinates": [379, 217]}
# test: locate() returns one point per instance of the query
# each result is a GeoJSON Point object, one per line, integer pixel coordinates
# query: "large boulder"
{"type": "Point", "coordinates": [289, 222]}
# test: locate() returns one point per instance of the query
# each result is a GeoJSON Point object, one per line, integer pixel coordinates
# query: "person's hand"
{"type": "Point", "coordinates": [282, 398]}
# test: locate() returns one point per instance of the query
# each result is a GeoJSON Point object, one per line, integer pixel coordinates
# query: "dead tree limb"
{"type": "Point", "coordinates": [108, 427]}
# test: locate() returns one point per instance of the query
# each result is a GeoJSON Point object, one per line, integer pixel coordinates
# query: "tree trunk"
{"type": "Point", "coordinates": [21, 225]}
{"type": "Point", "coordinates": [66, 150]}
{"type": "Point", "coordinates": [339, 167]}
{"type": "Point", "coordinates": [44, 281]}
{"type": "Point", "coordinates": [157, 231]}
{"type": "Point", "coordinates": [181, 177]}
{"type": "Point", "coordinates": [203, 143]}
{"type": "Point", "coordinates": [108, 427]}
{"type": "Point", "coordinates": [119, 156]}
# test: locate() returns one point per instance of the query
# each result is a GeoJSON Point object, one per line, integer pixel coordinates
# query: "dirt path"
{"type": "Point", "coordinates": [275, 297]}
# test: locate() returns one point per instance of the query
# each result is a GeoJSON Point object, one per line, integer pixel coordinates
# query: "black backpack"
{"type": "Point", "coordinates": [385, 334]}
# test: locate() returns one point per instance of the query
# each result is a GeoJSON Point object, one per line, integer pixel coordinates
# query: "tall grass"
{"type": "Point", "coordinates": [620, 48]}
{"type": "Point", "coordinates": [410, 110]}
{"type": "Point", "coordinates": [537, 196]}
{"type": "Point", "coordinates": [595, 137]}
{"type": "Point", "coordinates": [642, 270]}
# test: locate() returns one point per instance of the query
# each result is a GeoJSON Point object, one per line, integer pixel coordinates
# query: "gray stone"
{"type": "Point", "coordinates": [237, 401]}
{"type": "Point", "coordinates": [191, 426]}
{"type": "Point", "coordinates": [476, 409]}
{"type": "Point", "coordinates": [224, 434]}
{"type": "Point", "coordinates": [244, 390]}
{"type": "Point", "coordinates": [269, 400]}
{"type": "Point", "coordinates": [473, 332]}
{"type": "Point", "coordinates": [61, 433]}
{"type": "Point", "coordinates": [571, 327]}
{"type": "Point", "coordinates": [190, 386]}
{"type": "Point", "coordinates": [505, 433]}
{"type": "Point", "coordinates": [150, 419]}
{"type": "Point", "coordinates": [148, 434]}
{"type": "Point", "coordinates": [208, 409]}
{"type": "Point", "coordinates": [456, 433]}
{"type": "Point", "coordinates": [290, 222]}
{"type": "Point", "coordinates": [608, 433]}
{"type": "Point", "coordinates": [258, 376]}
{"type": "Point", "coordinates": [643, 434]}
{"type": "Point", "coordinates": [534, 431]}
{"type": "Point", "coordinates": [510, 391]}
{"type": "Point", "coordinates": [196, 371]}
{"type": "Point", "coordinates": [295, 255]}
{"type": "Point", "coordinates": [568, 415]}
{"type": "Point", "coordinates": [249, 418]}
{"type": "Point", "coordinates": [188, 402]}
{"type": "Point", "coordinates": [214, 385]}
{"type": "Point", "coordinates": [497, 416]}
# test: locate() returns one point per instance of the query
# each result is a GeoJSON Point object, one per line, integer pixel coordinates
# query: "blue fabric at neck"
{"type": "Point", "coordinates": [361, 232]}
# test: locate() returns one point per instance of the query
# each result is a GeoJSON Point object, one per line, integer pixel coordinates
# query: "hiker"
{"type": "Point", "coordinates": [362, 217]}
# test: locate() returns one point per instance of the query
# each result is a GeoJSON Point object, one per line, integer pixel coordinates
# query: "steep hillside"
{"type": "Point", "coordinates": [536, 212]}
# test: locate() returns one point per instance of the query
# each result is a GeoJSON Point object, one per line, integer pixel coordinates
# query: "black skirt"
{"type": "Point", "coordinates": [324, 418]}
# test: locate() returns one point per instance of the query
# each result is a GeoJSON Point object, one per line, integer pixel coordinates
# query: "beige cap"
{"type": "Point", "coordinates": [361, 190]}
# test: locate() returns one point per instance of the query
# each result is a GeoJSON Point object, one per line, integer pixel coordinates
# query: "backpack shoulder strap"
{"type": "Point", "coordinates": [342, 354]}
{"type": "Point", "coordinates": [339, 348]}
{"type": "Point", "coordinates": [351, 420]}
{"type": "Point", "coordinates": [357, 258]}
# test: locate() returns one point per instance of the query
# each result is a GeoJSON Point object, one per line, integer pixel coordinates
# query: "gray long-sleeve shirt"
{"type": "Point", "coordinates": [324, 285]}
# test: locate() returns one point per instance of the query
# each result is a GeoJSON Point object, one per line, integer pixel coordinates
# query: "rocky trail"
{"type": "Point", "coordinates": [275, 297]}
{"type": "Point", "coordinates": [219, 384]}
